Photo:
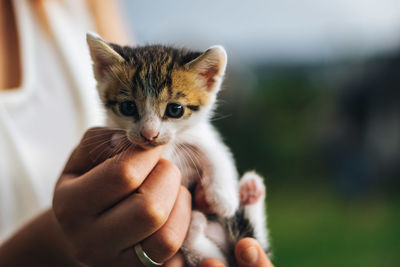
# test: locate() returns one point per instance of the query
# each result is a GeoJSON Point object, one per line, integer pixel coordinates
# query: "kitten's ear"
{"type": "Point", "coordinates": [103, 55]}
{"type": "Point", "coordinates": [209, 67]}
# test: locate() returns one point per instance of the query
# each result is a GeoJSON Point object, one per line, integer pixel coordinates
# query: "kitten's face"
{"type": "Point", "coordinates": [156, 92]}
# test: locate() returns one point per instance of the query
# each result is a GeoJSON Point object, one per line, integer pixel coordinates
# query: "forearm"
{"type": "Point", "coordinates": [39, 243]}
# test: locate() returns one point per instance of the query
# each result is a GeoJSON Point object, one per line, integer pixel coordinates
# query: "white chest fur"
{"type": "Point", "coordinates": [200, 154]}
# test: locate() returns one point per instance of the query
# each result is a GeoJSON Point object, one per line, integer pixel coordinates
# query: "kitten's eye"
{"type": "Point", "coordinates": [128, 108]}
{"type": "Point", "coordinates": [174, 110]}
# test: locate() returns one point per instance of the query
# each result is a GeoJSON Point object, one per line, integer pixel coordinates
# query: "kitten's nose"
{"type": "Point", "coordinates": [149, 135]}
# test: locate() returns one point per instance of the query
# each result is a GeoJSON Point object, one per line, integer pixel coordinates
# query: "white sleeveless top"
{"type": "Point", "coordinates": [42, 121]}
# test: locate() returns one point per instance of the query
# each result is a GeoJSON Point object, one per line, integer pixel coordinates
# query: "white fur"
{"type": "Point", "coordinates": [218, 173]}
{"type": "Point", "coordinates": [207, 239]}
{"type": "Point", "coordinates": [193, 145]}
{"type": "Point", "coordinates": [197, 246]}
{"type": "Point", "coordinates": [256, 212]}
{"type": "Point", "coordinates": [150, 124]}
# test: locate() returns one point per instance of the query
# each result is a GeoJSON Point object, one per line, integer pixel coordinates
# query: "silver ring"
{"type": "Point", "coordinates": [144, 258]}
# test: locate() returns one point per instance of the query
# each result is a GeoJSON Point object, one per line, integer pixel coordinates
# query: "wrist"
{"type": "Point", "coordinates": [42, 243]}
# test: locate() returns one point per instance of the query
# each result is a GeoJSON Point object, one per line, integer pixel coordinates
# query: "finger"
{"type": "Point", "coordinates": [164, 243]}
{"type": "Point", "coordinates": [212, 263]}
{"type": "Point", "coordinates": [144, 212]}
{"type": "Point", "coordinates": [250, 254]}
{"type": "Point", "coordinates": [111, 181]}
{"type": "Point", "coordinates": [96, 146]}
{"type": "Point", "coordinates": [128, 258]}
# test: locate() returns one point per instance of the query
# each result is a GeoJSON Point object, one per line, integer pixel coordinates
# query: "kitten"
{"type": "Point", "coordinates": [165, 96]}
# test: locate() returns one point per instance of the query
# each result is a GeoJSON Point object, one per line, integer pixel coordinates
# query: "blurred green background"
{"type": "Point", "coordinates": [321, 212]}
{"type": "Point", "coordinates": [311, 101]}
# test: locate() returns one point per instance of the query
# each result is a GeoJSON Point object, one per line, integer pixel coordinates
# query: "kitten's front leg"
{"type": "Point", "coordinates": [220, 178]}
{"type": "Point", "coordinates": [252, 193]}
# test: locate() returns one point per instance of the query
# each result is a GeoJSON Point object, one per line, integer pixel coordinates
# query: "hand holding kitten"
{"type": "Point", "coordinates": [105, 205]}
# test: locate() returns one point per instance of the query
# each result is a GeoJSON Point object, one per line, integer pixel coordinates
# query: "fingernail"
{"type": "Point", "coordinates": [249, 255]}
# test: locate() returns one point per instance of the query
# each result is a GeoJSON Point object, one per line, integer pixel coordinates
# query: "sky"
{"type": "Point", "coordinates": [294, 30]}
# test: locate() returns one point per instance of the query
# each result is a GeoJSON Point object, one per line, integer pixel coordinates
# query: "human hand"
{"type": "Point", "coordinates": [248, 253]}
{"type": "Point", "coordinates": [106, 201]}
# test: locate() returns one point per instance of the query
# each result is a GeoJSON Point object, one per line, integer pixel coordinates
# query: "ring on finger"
{"type": "Point", "coordinates": [144, 258]}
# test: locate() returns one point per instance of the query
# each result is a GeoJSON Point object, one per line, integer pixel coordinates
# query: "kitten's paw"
{"type": "Point", "coordinates": [222, 203]}
{"type": "Point", "coordinates": [251, 188]}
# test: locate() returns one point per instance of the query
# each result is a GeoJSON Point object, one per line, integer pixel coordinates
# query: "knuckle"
{"type": "Point", "coordinates": [169, 167]}
{"type": "Point", "coordinates": [96, 138]}
{"type": "Point", "coordinates": [123, 174]}
{"type": "Point", "coordinates": [129, 172]}
{"type": "Point", "coordinates": [153, 213]}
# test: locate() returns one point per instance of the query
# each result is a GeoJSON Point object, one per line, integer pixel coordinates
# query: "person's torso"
{"type": "Point", "coordinates": [41, 121]}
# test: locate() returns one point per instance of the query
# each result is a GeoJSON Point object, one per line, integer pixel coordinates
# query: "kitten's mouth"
{"type": "Point", "coordinates": [147, 144]}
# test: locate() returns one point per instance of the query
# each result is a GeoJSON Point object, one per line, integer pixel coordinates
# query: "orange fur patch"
{"type": "Point", "coordinates": [187, 88]}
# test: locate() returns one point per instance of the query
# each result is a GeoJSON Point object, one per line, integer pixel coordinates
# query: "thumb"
{"type": "Point", "coordinates": [250, 254]}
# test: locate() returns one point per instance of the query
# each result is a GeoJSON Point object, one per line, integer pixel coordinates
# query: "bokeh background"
{"type": "Point", "coordinates": [312, 102]}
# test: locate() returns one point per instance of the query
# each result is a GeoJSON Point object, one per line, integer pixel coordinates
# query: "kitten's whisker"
{"type": "Point", "coordinates": [104, 133]}
{"type": "Point", "coordinates": [99, 144]}
{"type": "Point", "coordinates": [94, 143]}
{"type": "Point", "coordinates": [97, 147]}
{"type": "Point", "coordinates": [90, 141]}
{"type": "Point", "coordinates": [182, 160]}
{"type": "Point", "coordinates": [197, 156]}
{"type": "Point", "coordinates": [107, 130]}
{"type": "Point", "coordinates": [187, 150]}
{"type": "Point", "coordinates": [193, 150]}
{"type": "Point", "coordinates": [98, 136]}
{"type": "Point", "coordinates": [123, 147]}
{"type": "Point", "coordinates": [116, 150]}
{"type": "Point", "coordinates": [176, 155]}
{"type": "Point", "coordinates": [220, 118]}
